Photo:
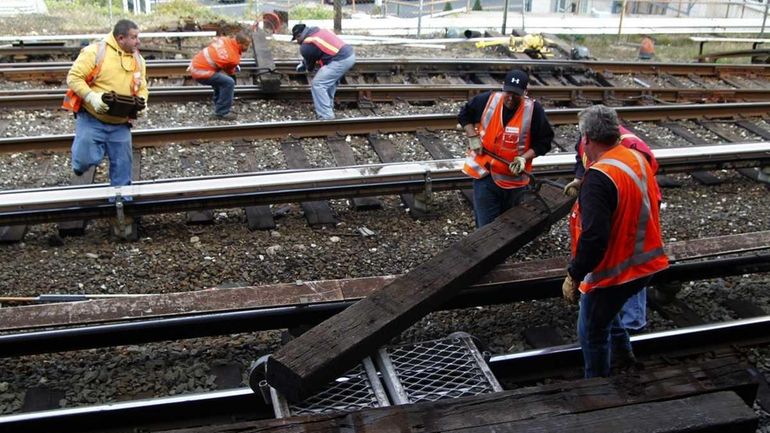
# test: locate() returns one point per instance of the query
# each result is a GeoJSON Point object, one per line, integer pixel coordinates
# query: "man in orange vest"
{"type": "Point", "coordinates": [216, 66]}
{"type": "Point", "coordinates": [633, 315]}
{"type": "Point", "coordinates": [321, 47]}
{"type": "Point", "coordinates": [110, 65]}
{"type": "Point", "coordinates": [506, 130]}
{"type": "Point", "coordinates": [616, 240]}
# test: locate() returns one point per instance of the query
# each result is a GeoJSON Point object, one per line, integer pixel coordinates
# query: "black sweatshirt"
{"type": "Point", "coordinates": [598, 201]}
{"type": "Point", "coordinates": [540, 129]}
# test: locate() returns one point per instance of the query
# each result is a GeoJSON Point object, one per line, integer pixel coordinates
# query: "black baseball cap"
{"type": "Point", "coordinates": [296, 31]}
{"type": "Point", "coordinates": [516, 81]}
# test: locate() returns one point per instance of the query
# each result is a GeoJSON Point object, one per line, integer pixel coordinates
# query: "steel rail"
{"type": "Point", "coordinates": [243, 404]}
{"type": "Point", "coordinates": [366, 125]}
{"type": "Point", "coordinates": [51, 98]}
{"type": "Point", "coordinates": [43, 205]}
{"type": "Point", "coordinates": [177, 68]}
{"type": "Point", "coordinates": [287, 316]}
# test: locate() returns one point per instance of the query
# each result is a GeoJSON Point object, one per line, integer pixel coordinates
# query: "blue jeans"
{"type": "Point", "coordinates": [224, 88]}
{"type": "Point", "coordinates": [94, 138]}
{"type": "Point", "coordinates": [489, 200]}
{"type": "Point", "coordinates": [633, 315]}
{"type": "Point", "coordinates": [599, 327]}
{"type": "Point", "coordinates": [324, 85]}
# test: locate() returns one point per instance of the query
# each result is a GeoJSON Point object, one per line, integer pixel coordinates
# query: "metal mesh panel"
{"type": "Point", "coordinates": [349, 392]}
{"type": "Point", "coordinates": [439, 369]}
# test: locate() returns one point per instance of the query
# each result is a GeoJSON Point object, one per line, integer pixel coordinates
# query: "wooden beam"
{"type": "Point", "coordinates": [268, 78]}
{"type": "Point", "coordinates": [77, 228]}
{"type": "Point", "coordinates": [317, 212]}
{"type": "Point", "coordinates": [512, 275]}
{"type": "Point", "coordinates": [307, 363]}
{"type": "Point", "coordinates": [525, 409]}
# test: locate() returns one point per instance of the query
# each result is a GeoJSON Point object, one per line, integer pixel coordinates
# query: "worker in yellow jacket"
{"type": "Point", "coordinates": [112, 64]}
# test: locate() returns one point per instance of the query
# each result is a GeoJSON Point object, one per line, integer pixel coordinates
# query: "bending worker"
{"type": "Point", "coordinates": [506, 130]}
{"type": "Point", "coordinates": [323, 48]}
{"type": "Point", "coordinates": [633, 315]}
{"type": "Point", "coordinates": [110, 65]}
{"type": "Point", "coordinates": [216, 66]}
{"type": "Point", "coordinates": [616, 240]}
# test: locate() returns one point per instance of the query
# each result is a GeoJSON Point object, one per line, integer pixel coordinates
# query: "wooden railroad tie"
{"type": "Point", "coordinates": [315, 358]}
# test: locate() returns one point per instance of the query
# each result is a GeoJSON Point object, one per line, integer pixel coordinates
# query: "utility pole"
{"type": "Point", "coordinates": [622, 13]}
{"type": "Point", "coordinates": [419, 21]}
{"type": "Point", "coordinates": [505, 17]}
{"type": "Point", "coordinates": [338, 16]}
{"type": "Point", "coordinates": [523, 6]}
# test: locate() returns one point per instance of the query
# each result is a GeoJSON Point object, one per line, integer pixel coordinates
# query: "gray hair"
{"type": "Point", "coordinates": [600, 124]}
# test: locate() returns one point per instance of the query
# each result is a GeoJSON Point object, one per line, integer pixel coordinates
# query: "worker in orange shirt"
{"type": "Point", "coordinates": [216, 66]}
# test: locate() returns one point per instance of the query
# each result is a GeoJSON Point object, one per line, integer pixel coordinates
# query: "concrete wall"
{"type": "Point", "coordinates": [19, 7]}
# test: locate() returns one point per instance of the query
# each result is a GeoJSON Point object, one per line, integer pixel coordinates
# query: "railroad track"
{"type": "Point", "coordinates": [220, 408]}
{"type": "Point", "coordinates": [413, 180]}
{"type": "Point", "coordinates": [553, 82]}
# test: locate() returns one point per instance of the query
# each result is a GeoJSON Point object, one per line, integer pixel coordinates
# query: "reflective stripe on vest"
{"type": "Point", "coordinates": [72, 101]}
{"type": "Point", "coordinates": [326, 41]}
{"type": "Point", "coordinates": [639, 256]}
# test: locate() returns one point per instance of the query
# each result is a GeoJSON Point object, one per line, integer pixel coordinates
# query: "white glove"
{"type": "Point", "coordinates": [474, 143]}
{"type": "Point", "coordinates": [517, 166]}
{"type": "Point", "coordinates": [301, 67]}
{"type": "Point", "coordinates": [238, 68]}
{"type": "Point", "coordinates": [94, 99]}
{"type": "Point", "coordinates": [573, 188]}
{"type": "Point", "coordinates": [141, 113]}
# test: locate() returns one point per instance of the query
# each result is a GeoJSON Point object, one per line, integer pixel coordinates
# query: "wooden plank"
{"type": "Point", "coordinates": [12, 234]}
{"type": "Point", "coordinates": [317, 213]}
{"type": "Point", "coordinates": [432, 143]}
{"type": "Point", "coordinates": [304, 365]}
{"type": "Point", "coordinates": [343, 157]}
{"type": "Point", "coordinates": [703, 177]}
{"type": "Point", "coordinates": [754, 128]}
{"type": "Point", "coordinates": [387, 152]}
{"type": "Point", "coordinates": [41, 398]}
{"type": "Point", "coordinates": [539, 404]}
{"type": "Point", "coordinates": [196, 217]}
{"type": "Point", "coordinates": [77, 228]}
{"type": "Point", "coordinates": [241, 298]}
{"type": "Point", "coordinates": [270, 81]}
{"type": "Point", "coordinates": [744, 308]}
{"type": "Point", "coordinates": [542, 336]}
{"type": "Point", "coordinates": [257, 217]}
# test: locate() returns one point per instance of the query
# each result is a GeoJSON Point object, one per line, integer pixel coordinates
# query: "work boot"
{"type": "Point", "coordinates": [77, 172]}
{"type": "Point", "coordinates": [624, 360]}
{"type": "Point", "coordinates": [228, 116]}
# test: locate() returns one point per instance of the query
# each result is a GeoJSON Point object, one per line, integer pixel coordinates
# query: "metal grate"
{"type": "Point", "coordinates": [359, 388]}
{"type": "Point", "coordinates": [434, 370]}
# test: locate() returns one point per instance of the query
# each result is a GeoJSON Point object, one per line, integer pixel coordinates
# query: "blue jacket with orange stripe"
{"type": "Point", "coordinates": [312, 54]}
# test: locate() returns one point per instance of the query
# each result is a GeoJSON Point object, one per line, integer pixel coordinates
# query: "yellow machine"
{"type": "Point", "coordinates": [534, 44]}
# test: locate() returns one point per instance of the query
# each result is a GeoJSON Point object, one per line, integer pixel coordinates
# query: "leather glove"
{"type": "Point", "coordinates": [474, 143]}
{"type": "Point", "coordinates": [573, 188]}
{"type": "Point", "coordinates": [301, 67]}
{"type": "Point", "coordinates": [570, 290]}
{"type": "Point", "coordinates": [517, 166]}
{"type": "Point", "coordinates": [94, 99]}
{"type": "Point", "coordinates": [141, 113]}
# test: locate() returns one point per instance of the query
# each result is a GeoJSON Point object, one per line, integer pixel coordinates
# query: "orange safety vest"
{"type": "Point", "coordinates": [73, 101]}
{"type": "Point", "coordinates": [206, 63]}
{"type": "Point", "coordinates": [635, 247]}
{"type": "Point", "coordinates": [326, 41]}
{"type": "Point", "coordinates": [630, 140]}
{"type": "Point", "coordinates": [504, 141]}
